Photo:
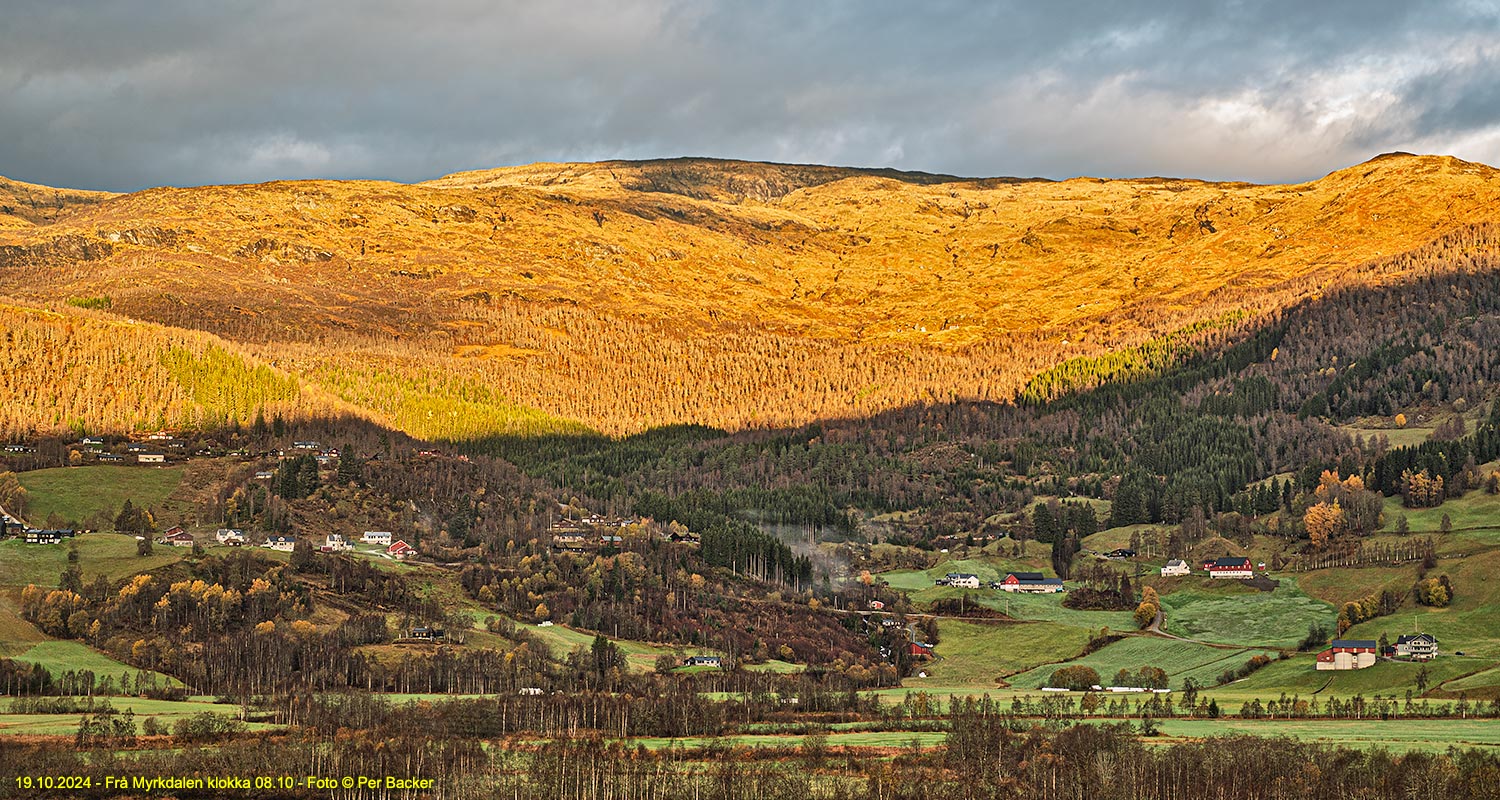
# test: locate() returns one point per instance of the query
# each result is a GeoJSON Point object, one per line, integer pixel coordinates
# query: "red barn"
{"type": "Point", "coordinates": [1231, 567]}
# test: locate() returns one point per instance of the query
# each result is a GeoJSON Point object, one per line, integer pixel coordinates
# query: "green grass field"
{"type": "Point", "coordinates": [777, 741]}
{"type": "Point", "coordinates": [1338, 586]}
{"type": "Point", "coordinates": [1251, 618]}
{"type": "Point", "coordinates": [1399, 735]}
{"type": "Point", "coordinates": [640, 656]}
{"type": "Point", "coordinates": [1030, 607]}
{"type": "Point", "coordinates": [1477, 509]}
{"type": "Point", "coordinates": [1469, 624]}
{"type": "Point", "coordinates": [978, 654]}
{"type": "Point", "coordinates": [110, 554]}
{"type": "Point", "coordinates": [1395, 735]}
{"type": "Point", "coordinates": [16, 634]}
{"type": "Point", "coordinates": [1409, 436]}
{"type": "Point", "coordinates": [1298, 675]}
{"type": "Point", "coordinates": [77, 494]}
{"type": "Point", "coordinates": [60, 656]}
{"type": "Point", "coordinates": [1483, 684]}
{"type": "Point", "coordinates": [166, 712]}
{"type": "Point", "coordinates": [1181, 660]}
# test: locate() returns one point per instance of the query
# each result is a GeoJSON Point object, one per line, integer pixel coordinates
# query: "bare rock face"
{"type": "Point", "coordinates": [71, 247]}
{"type": "Point", "coordinates": [149, 236]}
{"type": "Point", "coordinates": [268, 249]}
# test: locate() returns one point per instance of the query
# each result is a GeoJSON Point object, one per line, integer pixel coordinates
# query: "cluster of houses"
{"type": "Point", "coordinates": [1028, 582]}
{"type": "Point", "coordinates": [1360, 653]}
{"type": "Point", "coordinates": [176, 536]}
{"type": "Point", "coordinates": [164, 447]}
{"type": "Point", "coordinates": [13, 528]}
{"type": "Point", "coordinates": [1349, 654]}
{"type": "Point", "coordinates": [1228, 567]}
{"type": "Point", "coordinates": [1117, 689]}
{"type": "Point", "coordinates": [596, 531]}
{"type": "Point", "coordinates": [44, 536]}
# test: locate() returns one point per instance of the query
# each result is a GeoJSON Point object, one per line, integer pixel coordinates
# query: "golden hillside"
{"type": "Point", "coordinates": [632, 294]}
{"type": "Point", "coordinates": [25, 204]}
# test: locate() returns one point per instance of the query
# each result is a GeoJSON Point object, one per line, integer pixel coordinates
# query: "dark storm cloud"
{"type": "Point", "coordinates": [124, 95]}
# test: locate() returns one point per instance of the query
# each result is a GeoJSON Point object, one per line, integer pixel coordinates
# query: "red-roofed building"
{"type": "Point", "coordinates": [1230, 567]}
{"type": "Point", "coordinates": [401, 550]}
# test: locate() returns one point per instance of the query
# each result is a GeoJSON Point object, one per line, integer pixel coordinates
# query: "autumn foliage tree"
{"type": "Point", "coordinates": [1323, 521]}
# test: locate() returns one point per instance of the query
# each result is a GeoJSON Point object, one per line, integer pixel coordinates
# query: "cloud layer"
{"type": "Point", "coordinates": [133, 94]}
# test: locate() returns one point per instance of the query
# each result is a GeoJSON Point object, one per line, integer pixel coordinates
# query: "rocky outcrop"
{"type": "Point", "coordinates": [72, 247]}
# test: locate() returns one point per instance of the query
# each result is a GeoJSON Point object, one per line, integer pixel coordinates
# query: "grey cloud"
{"type": "Point", "coordinates": [132, 94]}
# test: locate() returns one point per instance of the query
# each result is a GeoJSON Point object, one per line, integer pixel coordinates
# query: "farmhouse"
{"type": "Point", "coordinates": [1176, 567]}
{"type": "Point", "coordinates": [428, 634]}
{"type": "Point", "coordinates": [1031, 583]}
{"type": "Point", "coordinates": [230, 536]}
{"type": "Point", "coordinates": [1120, 553]}
{"type": "Point", "coordinates": [151, 458]}
{"type": "Point", "coordinates": [962, 580]}
{"type": "Point", "coordinates": [336, 543]}
{"type": "Point", "coordinates": [703, 661]}
{"type": "Point", "coordinates": [376, 537]}
{"type": "Point", "coordinates": [177, 537]}
{"type": "Point", "coordinates": [919, 650]}
{"type": "Point", "coordinates": [283, 542]}
{"type": "Point", "coordinates": [401, 550]}
{"type": "Point", "coordinates": [44, 537]}
{"type": "Point", "coordinates": [1230, 567]}
{"type": "Point", "coordinates": [1348, 654]}
{"type": "Point", "coordinates": [1417, 647]}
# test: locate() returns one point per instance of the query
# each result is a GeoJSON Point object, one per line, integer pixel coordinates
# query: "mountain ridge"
{"type": "Point", "coordinates": [849, 289]}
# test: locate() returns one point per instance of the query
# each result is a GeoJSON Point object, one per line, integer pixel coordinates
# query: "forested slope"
{"type": "Point", "coordinates": [629, 295]}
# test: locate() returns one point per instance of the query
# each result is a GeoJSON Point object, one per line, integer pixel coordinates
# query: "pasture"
{"type": "Point", "coordinates": [110, 554]}
{"type": "Point", "coordinates": [1180, 660]}
{"type": "Point", "coordinates": [1253, 618]}
{"type": "Point", "coordinates": [80, 494]}
{"type": "Point", "coordinates": [979, 654]}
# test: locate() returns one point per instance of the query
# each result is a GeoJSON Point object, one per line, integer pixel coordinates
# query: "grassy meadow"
{"type": "Point", "coordinates": [79, 494]}
{"type": "Point", "coordinates": [110, 554]}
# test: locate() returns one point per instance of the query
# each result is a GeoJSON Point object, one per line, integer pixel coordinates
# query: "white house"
{"type": "Point", "coordinates": [963, 580]}
{"type": "Point", "coordinates": [283, 542]}
{"type": "Point", "coordinates": [1418, 647]}
{"type": "Point", "coordinates": [336, 543]}
{"type": "Point", "coordinates": [151, 458]}
{"type": "Point", "coordinates": [230, 535]}
{"type": "Point", "coordinates": [376, 537]}
{"type": "Point", "coordinates": [1176, 567]}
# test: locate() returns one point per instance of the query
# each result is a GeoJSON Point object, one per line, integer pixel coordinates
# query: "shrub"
{"type": "Point", "coordinates": [102, 302]}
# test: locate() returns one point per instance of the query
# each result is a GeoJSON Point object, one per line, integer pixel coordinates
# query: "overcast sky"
{"type": "Point", "coordinates": [125, 95]}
